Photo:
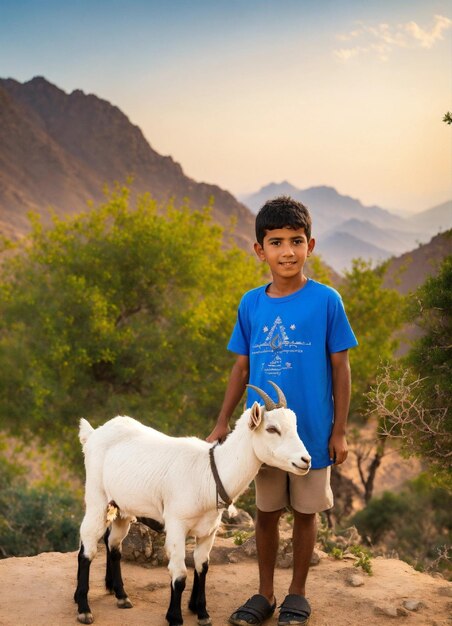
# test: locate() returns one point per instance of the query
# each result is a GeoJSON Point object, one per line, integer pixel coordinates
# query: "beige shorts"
{"type": "Point", "coordinates": [276, 489]}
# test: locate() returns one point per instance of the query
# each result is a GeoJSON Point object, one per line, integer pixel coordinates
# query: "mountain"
{"type": "Point", "coordinates": [410, 270]}
{"type": "Point", "coordinates": [438, 218]}
{"type": "Point", "coordinates": [255, 200]}
{"type": "Point", "coordinates": [389, 241]}
{"type": "Point", "coordinates": [345, 228]}
{"type": "Point", "coordinates": [59, 150]}
{"type": "Point", "coordinates": [329, 206]}
{"type": "Point", "coordinates": [339, 249]}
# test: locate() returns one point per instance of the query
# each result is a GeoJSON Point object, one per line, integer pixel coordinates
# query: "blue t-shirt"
{"type": "Point", "coordinates": [289, 341]}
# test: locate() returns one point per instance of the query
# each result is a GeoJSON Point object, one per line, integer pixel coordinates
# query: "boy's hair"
{"type": "Point", "coordinates": [282, 212]}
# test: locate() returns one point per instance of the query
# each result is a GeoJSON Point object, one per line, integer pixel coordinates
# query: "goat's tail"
{"type": "Point", "coordinates": [85, 431]}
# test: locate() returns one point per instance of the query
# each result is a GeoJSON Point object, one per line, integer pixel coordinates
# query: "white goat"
{"type": "Point", "coordinates": [141, 472]}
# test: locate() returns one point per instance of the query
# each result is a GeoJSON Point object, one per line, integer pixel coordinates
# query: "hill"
{"type": "Point", "coordinates": [49, 581]}
{"type": "Point", "coordinates": [408, 271]}
{"type": "Point", "coordinates": [338, 249]}
{"type": "Point", "coordinates": [438, 218]}
{"type": "Point", "coordinates": [345, 228]}
{"type": "Point", "coordinates": [59, 150]}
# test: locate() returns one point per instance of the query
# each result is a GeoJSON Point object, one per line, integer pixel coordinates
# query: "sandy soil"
{"type": "Point", "coordinates": [37, 591]}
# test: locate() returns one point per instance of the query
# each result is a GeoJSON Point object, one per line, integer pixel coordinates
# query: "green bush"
{"type": "Point", "coordinates": [415, 523]}
{"type": "Point", "coordinates": [35, 519]}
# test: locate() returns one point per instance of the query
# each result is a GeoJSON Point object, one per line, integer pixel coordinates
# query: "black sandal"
{"type": "Point", "coordinates": [255, 611]}
{"type": "Point", "coordinates": [295, 610]}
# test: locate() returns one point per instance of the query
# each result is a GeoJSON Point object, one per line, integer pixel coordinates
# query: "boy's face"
{"type": "Point", "coordinates": [285, 250]}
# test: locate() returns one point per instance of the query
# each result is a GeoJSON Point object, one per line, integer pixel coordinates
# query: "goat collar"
{"type": "Point", "coordinates": [221, 491]}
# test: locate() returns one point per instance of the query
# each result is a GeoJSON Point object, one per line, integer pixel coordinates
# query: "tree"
{"type": "Point", "coordinates": [375, 313]}
{"type": "Point", "coordinates": [413, 399]}
{"type": "Point", "coordinates": [317, 269]}
{"type": "Point", "coordinates": [119, 310]}
{"type": "Point", "coordinates": [431, 354]}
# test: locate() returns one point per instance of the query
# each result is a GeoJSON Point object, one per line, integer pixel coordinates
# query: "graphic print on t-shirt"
{"type": "Point", "coordinates": [278, 342]}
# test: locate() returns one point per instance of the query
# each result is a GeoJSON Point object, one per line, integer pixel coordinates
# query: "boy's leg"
{"type": "Point", "coordinates": [267, 542]}
{"type": "Point", "coordinates": [309, 494]}
{"type": "Point", "coordinates": [271, 498]}
{"type": "Point", "coordinates": [303, 541]}
{"type": "Point", "coordinates": [261, 606]}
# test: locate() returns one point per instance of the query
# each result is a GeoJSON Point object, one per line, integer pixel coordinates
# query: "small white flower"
{"type": "Point", "coordinates": [292, 327]}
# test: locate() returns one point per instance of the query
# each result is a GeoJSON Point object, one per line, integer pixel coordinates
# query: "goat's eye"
{"type": "Point", "coordinates": [273, 430]}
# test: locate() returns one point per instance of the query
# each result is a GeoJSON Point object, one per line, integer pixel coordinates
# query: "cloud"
{"type": "Point", "coordinates": [427, 39]}
{"type": "Point", "coordinates": [382, 39]}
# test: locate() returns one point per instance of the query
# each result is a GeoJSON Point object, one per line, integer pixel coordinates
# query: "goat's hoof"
{"type": "Point", "coordinates": [85, 618]}
{"type": "Point", "coordinates": [204, 621]}
{"type": "Point", "coordinates": [124, 603]}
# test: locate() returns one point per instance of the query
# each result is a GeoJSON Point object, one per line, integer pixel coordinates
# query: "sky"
{"type": "Point", "coordinates": [242, 93]}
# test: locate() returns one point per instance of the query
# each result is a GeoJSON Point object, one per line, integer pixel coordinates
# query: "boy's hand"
{"type": "Point", "coordinates": [219, 433]}
{"type": "Point", "coordinates": [338, 448]}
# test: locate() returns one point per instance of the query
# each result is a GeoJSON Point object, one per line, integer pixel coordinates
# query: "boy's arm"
{"type": "Point", "coordinates": [341, 392]}
{"type": "Point", "coordinates": [234, 391]}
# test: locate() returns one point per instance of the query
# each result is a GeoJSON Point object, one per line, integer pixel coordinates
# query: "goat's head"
{"type": "Point", "coordinates": [276, 441]}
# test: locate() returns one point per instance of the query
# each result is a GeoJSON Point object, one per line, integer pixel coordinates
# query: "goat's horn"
{"type": "Point", "coordinates": [269, 404]}
{"type": "Point", "coordinates": [282, 402]}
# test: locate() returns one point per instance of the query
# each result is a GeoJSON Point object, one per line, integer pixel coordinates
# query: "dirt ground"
{"type": "Point", "coordinates": [38, 591]}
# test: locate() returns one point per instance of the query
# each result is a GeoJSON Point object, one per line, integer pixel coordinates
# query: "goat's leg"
{"type": "Point", "coordinates": [197, 602]}
{"type": "Point", "coordinates": [84, 615]}
{"type": "Point", "coordinates": [108, 569]}
{"type": "Point", "coordinates": [91, 530]}
{"type": "Point", "coordinates": [175, 549]}
{"type": "Point", "coordinates": [113, 579]}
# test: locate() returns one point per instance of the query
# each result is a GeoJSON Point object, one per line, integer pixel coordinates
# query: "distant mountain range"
{"type": "Point", "coordinates": [59, 150]}
{"type": "Point", "coordinates": [346, 229]}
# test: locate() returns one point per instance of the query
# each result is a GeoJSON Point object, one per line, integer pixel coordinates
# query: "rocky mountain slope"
{"type": "Point", "coordinates": [59, 150]}
{"type": "Point", "coordinates": [408, 271]}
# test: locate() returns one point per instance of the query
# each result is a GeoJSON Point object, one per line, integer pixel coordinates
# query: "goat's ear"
{"type": "Point", "coordinates": [255, 416]}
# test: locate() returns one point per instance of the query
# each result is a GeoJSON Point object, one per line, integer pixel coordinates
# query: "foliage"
{"type": "Point", "coordinates": [375, 313]}
{"type": "Point", "coordinates": [119, 310]}
{"type": "Point", "coordinates": [345, 542]}
{"type": "Point", "coordinates": [247, 501]}
{"type": "Point", "coordinates": [412, 398]}
{"type": "Point", "coordinates": [431, 354]}
{"type": "Point", "coordinates": [363, 556]}
{"type": "Point", "coordinates": [447, 117]}
{"type": "Point", "coordinates": [316, 269]}
{"type": "Point", "coordinates": [337, 553]}
{"type": "Point", "coordinates": [35, 519]}
{"type": "Point", "coordinates": [399, 400]}
{"type": "Point", "coordinates": [240, 536]}
{"type": "Point", "coordinates": [415, 523]}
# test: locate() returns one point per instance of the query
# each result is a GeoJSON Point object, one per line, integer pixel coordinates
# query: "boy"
{"type": "Point", "coordinates": [293, 331]}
